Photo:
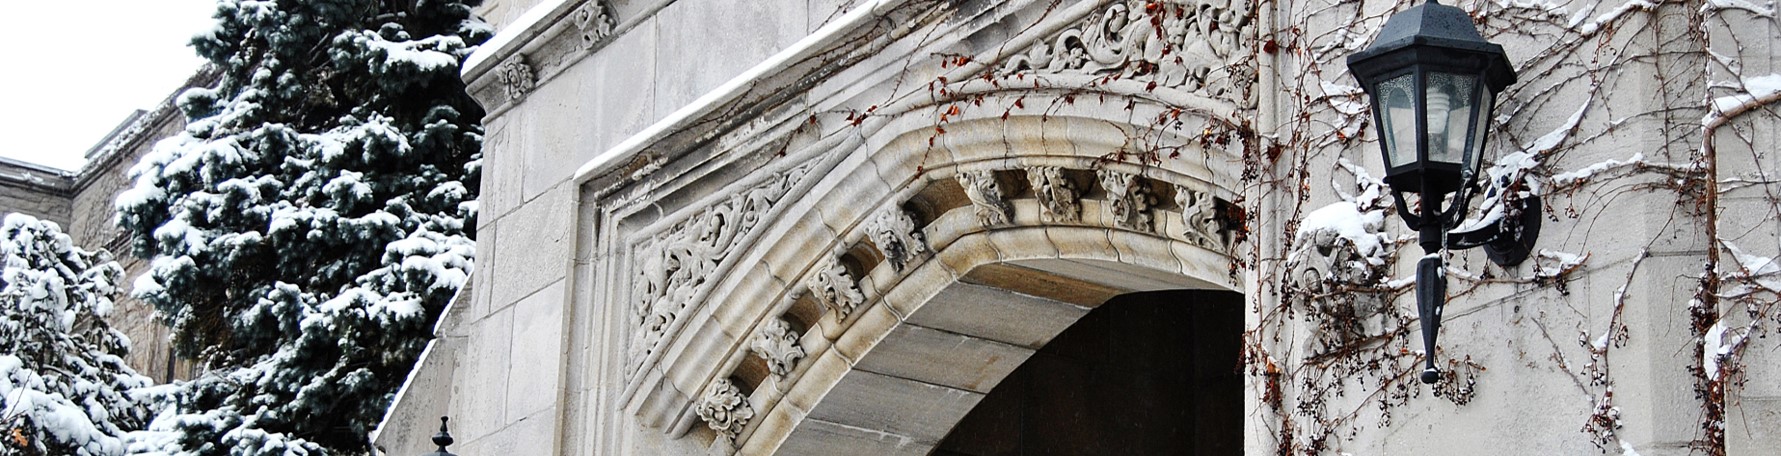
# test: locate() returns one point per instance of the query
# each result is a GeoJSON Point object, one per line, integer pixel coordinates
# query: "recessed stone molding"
{"type": "Point", "coordinates": [1059, 200]}
{"type": "Point", "coordinates": [1192, 45]}
{"type": "Point", "coordinates": [893, 230]}
{"type": "Point", "coordinates": [595, 22]}
{"type": "Point", "coordinates": [725, 410]}
{"type": "Point", "coordinates": [986, 197]}
{"type": "Point", "coordinates": [776, 343]}
{"type": "Point", "coordinates": [674, 266]}
{"type": "Point", "coordinates": [1129, 200]}
{"type": "Point", "coordinates": [517, 77]}
{"type": "Point", "coordinates": [836, 289]}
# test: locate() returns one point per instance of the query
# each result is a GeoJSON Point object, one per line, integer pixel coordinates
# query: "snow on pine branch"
{"type": "Point", "coordinates": [64, 386]}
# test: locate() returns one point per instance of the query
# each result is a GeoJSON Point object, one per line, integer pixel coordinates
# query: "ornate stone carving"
{"type": "Point", "coordinates": [517, 77]}
{"type": "Point", "coordinates": [595, 22]}
{"type": "Point", "coordinates": [777, 344]}
{"type": "Point", "coordinates": [1193, 45]}
{"type": "Point", "coordinates": [836, 289]}
{"type": "Point", "coordinates": [1199, 217]}
{"type": "Point", "coordinates": [1058, 197]}
{"type": "Point", "coordinates": [1337, 271]}
{"type": "Point", "coordinates": [986, 197]}
{"type": "Point", "coordinates": [726, 410]}
{"type": "Point", "coordinates": [1129, 200]}
{"type": "Point", "coordinates": [895, 234]}
{"type": "Point", "coordinates": [674, 267]}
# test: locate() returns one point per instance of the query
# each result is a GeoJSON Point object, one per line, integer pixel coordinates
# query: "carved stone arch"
{"type": "Point", "coordinates": [748, 269]}
{"type": "Point", "coordinates": [961, 289]}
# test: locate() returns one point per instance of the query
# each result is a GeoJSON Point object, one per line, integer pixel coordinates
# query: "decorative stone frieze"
{"type": "Point", "coordinates": [1059, 200]}
{"type": "Point", "coordinates": [595, 22]}
{"type": "Point", "coordinates": [896, 235]}
{"type": "Point", "coordinates": [986, 197]}
{"type": "Point", "coordinates": [1200, 221]}
{"type": "Point", "coordinates": [776, 343]}
{"type": "Point", "coordinates": [1192, 45]}
{"type": "Point", "coordinates": [836, 289]}
{"type": "Point", "coordinates": [725, 410]}
{"type": "Point", "coordinates": [675, 266]}
{"type": "Point", "coordinates": [1128, 200]}
{"type": "Point", "coordinates": [517, 77]}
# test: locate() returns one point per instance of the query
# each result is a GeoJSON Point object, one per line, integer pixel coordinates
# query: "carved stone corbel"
{"type": "Point", "coordinates": [517, 77]}
{"type": "Point", "coordinates": [895, 234]}
{"type": "Point", "coordinates": [1199, 218]}
{"type": "Point", "coordinates": [726, 411]}
{"type": "Point", "coordinates": [776, 343]}
{"type": "Point", "coordinates": [1129, 200]}
{"type": "Point", "coordinates": [595, 22]}
{"type": "Point", "coordinates": [836, 289]}
{"type": "Point", "coordinates": [987, 201]}
{"type": "Point", "coordinates": [1058, 197]}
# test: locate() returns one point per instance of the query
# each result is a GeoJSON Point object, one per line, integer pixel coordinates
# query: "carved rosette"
{"type": "Point", "coordinates": [726, 411]}
{"type": "Point", "coordinates": [836, 289]}
{"type": "Point", "coordinates": [1129, 200]}
{"type": "Point", "coordinates": [895, 234]}
{"type": "Point", "coordinates": [595, 22]}
{"type": "Point", "coordinates": [1200, 221]}
{"type": "Point", "coordinates": [777, 344]}
{"type": "Point", "coordinates": [1059, 201]}
{"type": "Point", "coordinates": [673, 267]}
{"type": "Point", "coordinates": [517, 78]}
{"type": "Point", "coordinates": [1193, 45]}
{"type": "Point", "coordinates": [986, 197]}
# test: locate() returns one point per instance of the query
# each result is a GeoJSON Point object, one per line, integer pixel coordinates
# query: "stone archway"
{"type": "Point", "coordinates": [900, 378]}
{"type": "Point", "coordinates": [1145, 373]}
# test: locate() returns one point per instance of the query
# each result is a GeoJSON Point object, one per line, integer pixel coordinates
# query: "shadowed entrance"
{"type": "Point", "coordinates": [1145, 373]}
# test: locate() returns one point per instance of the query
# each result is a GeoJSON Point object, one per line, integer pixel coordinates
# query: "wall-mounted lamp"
{"type": "Point", "coordinates": [1433, 80]}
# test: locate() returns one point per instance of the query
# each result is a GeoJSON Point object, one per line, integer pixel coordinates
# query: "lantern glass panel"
{"type": "Point", "coordinates": [1451, 100]}
{"type": "Point", "coordinates": [1480, 127]}
{"type": "Point", "coordinates": [1397, 119]}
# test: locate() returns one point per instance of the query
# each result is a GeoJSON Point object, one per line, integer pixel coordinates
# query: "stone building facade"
{"type": "Point", "coordinates": [35, 190]}
{"type": "Point", "coordinates": [81, 202]}
{"type": "Point", "coordinates": [833, 227]}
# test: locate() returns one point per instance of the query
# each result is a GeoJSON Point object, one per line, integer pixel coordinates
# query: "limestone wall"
{"type": "Point", "coordinates": [1594, 345]}
{"type": "Point", "coordinates": [93, 225]}
{"type": "Point", "coordinates": [34, 190]}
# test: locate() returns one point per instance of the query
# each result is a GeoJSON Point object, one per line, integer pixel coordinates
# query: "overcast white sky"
{"type": "Point", "coordinates": [75, 69]}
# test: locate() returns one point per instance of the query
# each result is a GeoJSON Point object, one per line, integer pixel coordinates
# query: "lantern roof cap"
{"type": "Point", "coordinates": [1433, 25]}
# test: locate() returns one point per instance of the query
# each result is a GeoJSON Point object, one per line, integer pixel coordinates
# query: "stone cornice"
{"type": "Point", "coordinates": [540, 44]}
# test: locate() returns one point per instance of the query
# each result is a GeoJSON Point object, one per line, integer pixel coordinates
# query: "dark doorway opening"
{"type": "Point", "coordinates": [1153, 373]}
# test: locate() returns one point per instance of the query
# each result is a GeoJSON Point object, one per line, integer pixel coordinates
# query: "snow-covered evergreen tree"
{"type": "Point", "coordinates": [306, 229]}
{"type": "Point", "coordinates": [64, 387]}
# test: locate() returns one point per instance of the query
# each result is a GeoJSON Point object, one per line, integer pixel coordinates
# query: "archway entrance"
{"type": "Point", "coordinates": [1145, 373]}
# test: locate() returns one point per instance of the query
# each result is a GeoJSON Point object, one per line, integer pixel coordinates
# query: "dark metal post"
{"type": "Point", "coordinates": [1431, 279]}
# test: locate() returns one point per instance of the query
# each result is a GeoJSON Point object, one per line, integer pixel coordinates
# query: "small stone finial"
{"type": "Point", "coordinates": [443, 438]}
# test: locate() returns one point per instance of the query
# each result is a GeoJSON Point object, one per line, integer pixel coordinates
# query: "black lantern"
{"type": "Point", "coordinates": [1433, 80]}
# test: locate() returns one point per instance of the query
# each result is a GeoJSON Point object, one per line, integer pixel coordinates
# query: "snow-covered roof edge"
{"type": "Point", "coordinates": [420, 361]}
{"type": "Point", "coordinates": [812, 45]}
{"type": "Point", "coordinates": [515, 35]}
{"type": "Point", "coordinates": [139, 125]}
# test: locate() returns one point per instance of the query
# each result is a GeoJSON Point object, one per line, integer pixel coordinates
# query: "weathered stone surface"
{"type": "Point", "coordinates": [921, 412]}
{"type": "Point", "coordinates": [535, 379]}
{"type": "Point", "coordinates": [943, 358]}
{"type": "Point", "coordinates": [479, 399]}
{"type": "Point", "coordinates": [540, 231]}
